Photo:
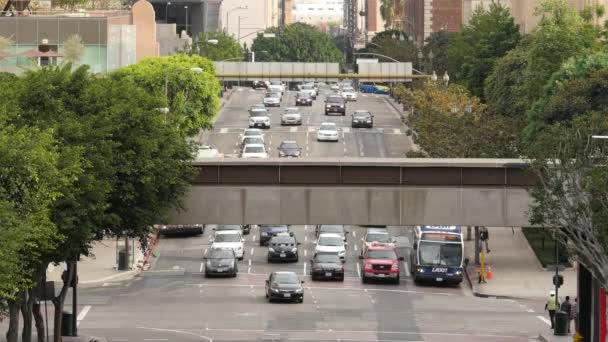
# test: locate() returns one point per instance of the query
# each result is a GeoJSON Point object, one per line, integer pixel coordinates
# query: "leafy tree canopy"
{"type": "Point", "coordinates": [489, 35]}
{"type": "Point", "coordinates": [388, 43]}
{"type": "Point", "coordinates": [297, 42]}
{"type": "Point", "coordinates": [226, 47]}
{"type": "Point", "coordinates": [439, 43]}
{"type": "Point", "coordinates": [192, 98]}
{"type": "Point", "coordinates": [504, 88]}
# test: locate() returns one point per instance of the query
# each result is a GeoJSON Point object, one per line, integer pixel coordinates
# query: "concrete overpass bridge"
{"type": "Point", "coordinates": [472, 192]}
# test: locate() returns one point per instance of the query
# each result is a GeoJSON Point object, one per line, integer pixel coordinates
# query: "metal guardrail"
{"type": "Point", "coordinates": [319, 76]}
{"type": "Point", "coordinates": [358, 172]}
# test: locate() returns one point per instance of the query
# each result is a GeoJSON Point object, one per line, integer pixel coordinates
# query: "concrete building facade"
{"type": "Point", "coordinates": [423, 17]}
{"type": "Point", "coordinates": [245, 22]}
{"type": "Point", "coordinates": [318, 12]}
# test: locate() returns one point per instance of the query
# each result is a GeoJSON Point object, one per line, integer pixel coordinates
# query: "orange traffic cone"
{"type": "Point", "coordinates": [489, 274]}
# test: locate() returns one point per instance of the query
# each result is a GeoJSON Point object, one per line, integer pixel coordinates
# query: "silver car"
{"type": "Point", "coordinates": [292, 116]}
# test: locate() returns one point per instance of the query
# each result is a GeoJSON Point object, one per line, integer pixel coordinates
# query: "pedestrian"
{"type": "Point", "coordinates": [567, 308]}
{"type": "Point", "coordinates": [574, 314]}
{"type": "Point", "coordinates": [484, 235]}
{"type": "Point", "coordinates": [551, 306]}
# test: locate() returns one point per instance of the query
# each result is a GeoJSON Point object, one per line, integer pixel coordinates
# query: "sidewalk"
{"type": "Point", "coordinates": [517, 273]}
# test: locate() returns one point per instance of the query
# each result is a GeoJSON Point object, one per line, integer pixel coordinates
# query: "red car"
{"type": "Point", "coordinates": [380, 262]}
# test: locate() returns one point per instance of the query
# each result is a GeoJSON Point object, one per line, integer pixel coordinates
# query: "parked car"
{"type": "Point", "coordinates": [289, 148]}
{"type": "Point", "coordinates": [303, 98]}
{"type": "Point", "coordinates": [328, 131]}
{"type": "Point", "coordinates": [335, 104]}
{"type": "Point", "coordinates": [254, 151]}
{"type": "Point", "coordinates": [380, 262]}
{"type": "Point", "coordinates": [291, 116]}
{"type": "Point", "coordinates": [220, 262]}
{"type": "Point", "coordinates": [283, 247]}
{"type": "Point", "coordinates": [181, 229]}
{"type": "Point", "coordinates": [284, 286]}
{"type": "Point", "coordinates": [362, 118]}
{"type": "Point", "coordinates": [229, 239]}
{"type": "Point", "coordinates": [326, 266]}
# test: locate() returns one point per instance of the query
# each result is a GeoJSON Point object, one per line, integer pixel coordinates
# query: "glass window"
{"type": "Point", "coordinates": [443, 254]}
{"type": "Point", "coordinates": [286, 278]}
{"type": "Point", "coordinates": [227, 238]}
{"type": "Point", "coordinates": [327, 258]}
{"type": "Point", "coordinates": [377, 237]}
{"type": "Point", "coordinates": [220, 254]}
{"type": "Point", "coordinates": [331, 241]}
{"type": "Point", "coordinates": [254, 149]}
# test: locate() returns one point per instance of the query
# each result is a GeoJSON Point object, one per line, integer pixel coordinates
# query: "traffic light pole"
{"type": "Point", "coordinates": [556, 281]}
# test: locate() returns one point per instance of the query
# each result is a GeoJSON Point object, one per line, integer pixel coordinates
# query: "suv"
{"type": "Point", "coordinates": [259, 119]}
{"type": "Point", "coordinates": [267, 231]}
{"type": "Point", "coordinates": [380, 262]}
{"type": "Point", "coordinates": [303, 98]}
{"type": "Point", "coordinates": [335, 104]}
{"type": "Point", "coordinates": [283, 247]}
{"type": "Point", "coordinates": [230, 239]}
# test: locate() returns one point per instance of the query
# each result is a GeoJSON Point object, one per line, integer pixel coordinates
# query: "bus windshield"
{"type": "Point", "coordinates": [443, 254]}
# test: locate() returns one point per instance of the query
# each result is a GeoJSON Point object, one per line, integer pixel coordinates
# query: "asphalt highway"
{"type": "Point", "coordinates": [174, 302]}
{"type": "Point", "coordinates": [386, 139]}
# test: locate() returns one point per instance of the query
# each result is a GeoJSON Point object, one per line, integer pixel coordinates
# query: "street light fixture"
{"type": "Point", "coordinates": [446, 78]}
{"type": "Point", "coordinates": [166, 11]}
{"type": "Point", "coordinates": [228, 13]}
{"type": "Point", "coordinates": [186, 7]}
{"type": "Point", "coordinates": [434, 77]}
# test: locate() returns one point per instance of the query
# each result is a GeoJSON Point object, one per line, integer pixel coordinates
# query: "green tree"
{"type": "Point", "coordinates": [389, 44]}
{"type": "Point", "coordinates": [192, 98]}
{"type": "Point", "coordinates": [73, 48]}
{"type": "Point", "coordinates": [489, 35]}
{"type": "Point", "coordinates": [297, 42]}
{"type": "Point", "coordinates": [505, 87]}
{"type": "Point", "coordinates": [450, 123]}
{"type": "Point", "coordinates": [226, 47]}
{"type": "Point", "coordinates": [439, 43]}
{"type": "Point", "coordinates": [572, 192]}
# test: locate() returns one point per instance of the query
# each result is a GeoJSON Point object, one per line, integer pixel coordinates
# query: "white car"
{"type": "Point", "coordinates": [251, 132]}
{"type": "Point", "coordinates": [349, 94]}
{"type": "Point", "coordinates": [229, 239]}
{"type": "Point", "coordinates": [205, 151]}
{"type": "Point", "coordinates": [376, 237]}
{"type": "Point", "coordinates": [258, 109]}
{"type": "Point", "coordinates": [310, 89]}
{"type": "Point", "coordinates": [331, 243]}
{"type": "Point", "coordinates": [277, 86]}
{"type": "Point", "coordinates": [259, 119]}
{"type": "Point", "coordinates": [292, 116]}
{"type": "Point", "coordinates": [334, 87]}
{"type": "Point", "coordinates": [272, 100]}
{"type": "Point", "coordinates": [327, 132]}
{"type": "Point", "coordinates": [254, 151]}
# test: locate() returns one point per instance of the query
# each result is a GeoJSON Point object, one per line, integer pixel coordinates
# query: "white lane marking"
{"type": "Point", "coordinates": [251, 251]}
{"type": "Point", "coordinates": [311, 129]}
{"type": "Point", "coordinates": [354, 234]}
{"type": "Point", "coordinates": [355, 247]}
{"type": "Point", "coordinates": [240, 89]}
{"type": "Point", "coordinates": [529, 310]}
{"type": "Point", "coordinates": [223, 130]}
{"type": "Point", "coordinates": [304, 271]}
{"type": "Point", "coordinates": [205, 251]}
{"type": "Point", "coordinates": [305, 252]}
{"type": "Point", "coordinates": [358, 270]}
{"type": "Point", "coordinates": [249, 262]}
{"type": "Point", "coordinates": [155, 339]}
{"type": "Point", "coordinates": [293, 129]}
{"type": "Point", "coordinates": [305, 227]}
{"type": "Point", "coordinates": [201, 268]}
{"type": "Point", "coordinates": [249, 270]}
{"type": "Point", "coordinates": [209, 339]}
{"type": "Point", "coordinates": [253, 238]}
{"type": "Point", "coordinates": [346, 129]}
{"type": "Point", "coordinates": [83, 314]}
{"type": "Point", "coordinates": [397, 131]}
{"type": "Point", "coordinates": [544, 319]}
{"type": "Point", "coordinates": [305, 238]}
{"type": "Point", "coordinates": [406, 269]}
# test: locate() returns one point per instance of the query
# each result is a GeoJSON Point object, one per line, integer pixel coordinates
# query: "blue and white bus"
{"type": "Point", "coordinates": [438, 254]}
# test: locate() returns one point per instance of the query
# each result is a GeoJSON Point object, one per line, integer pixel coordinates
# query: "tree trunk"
{"type": "Point", "coordinates": [26, 312]}
{"type": "Point", "coordinates": [12, 334]}
{"type": "Point", "coordinates": [60, 299]}
{"type": "Point", "coordinates": [39, 319]}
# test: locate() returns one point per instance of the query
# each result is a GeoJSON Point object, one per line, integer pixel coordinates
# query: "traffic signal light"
{"type": "Point", "coordinates": [558, 280]}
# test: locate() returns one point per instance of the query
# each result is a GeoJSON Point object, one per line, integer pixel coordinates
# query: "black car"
{"type": "Point", "coordinates": [220, 262]}
{"type": "Point", "coordinates": [335, 104]}
{"type": "Point", "coordinates": [285, 286]}
{"type": "Point", "coordinates": [181, 229]}
{"type": "Point", "coordinates": [362, 118]}
{"type": "Point", "coordinates": [331, 228]}
{"type": "Point", "coordinates": [260, 84]}
{"type": "Point", "coordinates": [246, 229]}
{"type": "Point", "coordinates": [283, 247]}
{"type": "Point", "coordinates": [327, 266]}
{"type": "Point", "coordinates": [303, 98]}
{"type": "Point", "coordinates": [289, 148]}
{"type": "Point", "coordinates": [267, 231]}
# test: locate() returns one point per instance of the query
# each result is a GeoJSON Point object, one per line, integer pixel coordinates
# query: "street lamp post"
{"type": "Point", "coordinates": [186, 7]}
{"type": "Point", "coordinates": [228, 13]}
{"type": "Point", "coordinates": [239, 28]}
{"type": "Point", "coordinates": [166, 11]}
{"type": "Point", "coordinates": [446, 78]}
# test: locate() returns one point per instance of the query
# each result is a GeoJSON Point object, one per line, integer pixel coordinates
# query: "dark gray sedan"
{"type": "Point", "coordinates": [289, 148]}
{"type": "Point", "coordinates": [220, 262]}
{"type": "Point", "coordinates": [327, 266]}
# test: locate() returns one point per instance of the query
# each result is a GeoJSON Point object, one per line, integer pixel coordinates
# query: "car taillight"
{"type": "Point", "coordinates": [368, 266]}
{"type": "Point", "coordinates": [395, 267]}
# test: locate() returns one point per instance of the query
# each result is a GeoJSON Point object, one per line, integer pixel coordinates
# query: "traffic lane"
{"type": "Point", "coordinates": [397, 144]}
{"type": "Point", "coordinates": [370, 143]}
{"type": "Point", "coordinates": [274, 138]}
{"type": "Point", "coordinates": [235, 112]}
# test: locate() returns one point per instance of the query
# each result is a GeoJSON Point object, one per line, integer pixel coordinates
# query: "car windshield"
{"type": "Point", "coordinates": [274, 229]}
{"type": "Point", "coordinates": [363, 115]}
{"type": "Point", "coordinates": [220, 254]}
{"type": "Point", "coordinates": [377, 237]}
{"type": "Point", "coordinates": [272, 95]}
{"type": "Point", "coordinates": [308, 87]}
{"type": "Point", "coordinates": [289, 146]}
{"type": "Point", "coordinates": [229, 227]}
{"type": "Point", "coordinates": [292, 111]}
{"type": "Point", "coordinates": [437, 253]}
{"type": "Point", "coordinates": [252, 133]}
{"type": "Point", "coordinates": [331, 241]}
{"type": "Point", "coordinates": [328, 128]}
{"type": "Point", "coordinates": [254, 149]}
{"type": "Point", "coordinates": [332, 229]}
{"type": "Point", "coordinates": [348, 89]}
{"type": "Point", "coordinates": [334, 99]}
{"type": "Point", "coordinates": [253, 140]}
{"type": "Point", "coordinates": [227, 238]}
{"type": "Point", "coordinates": [280, 240]}
{"type": "Point", "coordinates": [259, 113]}
{"type": "Point", "coordinates": [381, 254]}
{"type": "Point", "coordinates": [286, 278]}
{"type": "Point", "coordinates": [303, 94]}
{"type": "Point", "coordinates": [327, 258]}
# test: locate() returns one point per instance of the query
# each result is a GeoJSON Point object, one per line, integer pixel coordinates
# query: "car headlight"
{"type": "Point", "coordinates": [369, 121]}
{"type": "Point", "coordinates": [341, 106]}
{"type": "Point", "coordinates": [298, 291]}
{"type": "Point", "coordinates": [342, 253]}
{"type": "Point", "coordinates": [281, 153]}
{"type": "Point", "coordinates": [328, 106]}
{"type": "Point", "coordinates": [274, 290]}
{"type": "Point", "coordinates": [420, 270]}
{"type": "Point", "coordinates": [458, 273]}
{"type": "Point", "coordinates": [293, 250]}
{"type": "Point", "coordinates": [270, 249]}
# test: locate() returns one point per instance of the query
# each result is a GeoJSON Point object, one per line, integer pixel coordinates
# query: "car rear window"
{"type": "Point", "coordinates": [254, 149]}
{"type": "Point", "coordinates": [282, 240]}
{"type": "Point", "coordinates": [335, 99]}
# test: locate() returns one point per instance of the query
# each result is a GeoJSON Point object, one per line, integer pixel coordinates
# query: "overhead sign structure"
{"type": "Point", "coordinates": [367, 60]}
{"type": "Point", "coordinates": [241, 71]}
{"type": "Point", "coordinates": [385, 72]}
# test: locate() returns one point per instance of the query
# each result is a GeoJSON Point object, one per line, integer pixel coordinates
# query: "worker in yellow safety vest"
{"type": "Point", "coordinates": [552, 306]}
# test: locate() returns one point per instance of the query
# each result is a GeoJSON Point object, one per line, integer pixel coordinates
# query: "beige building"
{"type": "Point", "coordinates": [243, 18]}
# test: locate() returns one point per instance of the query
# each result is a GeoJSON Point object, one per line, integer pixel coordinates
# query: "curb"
{"type": "Point", "coordinates": [484, 295]}
{"type": "Point", "coordinates": [542, 338]}
{"type": "Point", "coordinates": [399, 110]}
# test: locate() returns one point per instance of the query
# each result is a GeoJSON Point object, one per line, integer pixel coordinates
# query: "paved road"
{"type": "Point", "coordinates": [386, 139]}
{"type": "Point", "coordinates": [174, 302]}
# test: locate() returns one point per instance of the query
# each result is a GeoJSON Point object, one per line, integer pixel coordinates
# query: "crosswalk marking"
{"type": "Point", "coordinates": [293, 129]}
{"type": "Point", "coordinates": [346, 129]}
{"type": "Point", "coordinates": [397, 131]}
{"type": "Point", "coordinates": [311, 129]}
{"type": "Point", "coordinates": [223, 130]}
